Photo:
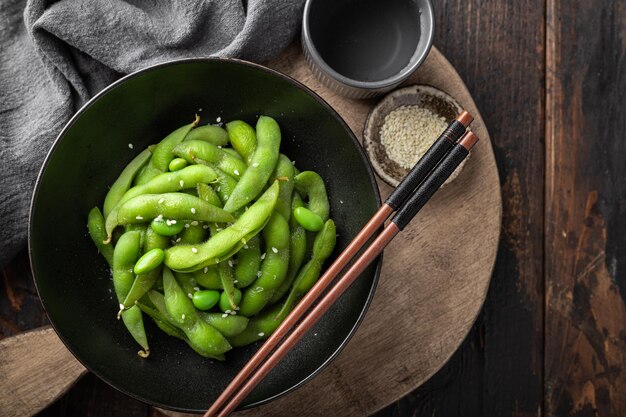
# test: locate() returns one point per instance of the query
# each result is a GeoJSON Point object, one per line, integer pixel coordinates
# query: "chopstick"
{"type": "Point", "coordinates": [415, 190]}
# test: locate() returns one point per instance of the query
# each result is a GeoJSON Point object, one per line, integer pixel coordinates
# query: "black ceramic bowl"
{"type": "Point", "coordinates": [73, 280]}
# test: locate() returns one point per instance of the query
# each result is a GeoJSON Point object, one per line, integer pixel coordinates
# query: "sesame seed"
{"type": "Point", "coordinates": [189, 295]}
{"type": "Point", "coordinates": [219, 119]}
{"type": "Point", "coordinates": [139, 218]}
{"type": "Point", "coordinates": [236, 172]}
{"type": "Point", "coordinates": [258, 274]}
{"type": "Point", "coordinates": [245, 246]}
{"type": "Point", "coordinates": [193, 210]}
{"type": "Point", "coordinates": [227, 311]}
{"type": "Point", "coordinates": [183, 316]}
{"type": "Point", "coordinates": [230, 263]}
{"type": "Point", "coordinates": [121, 306]}
{"type": "Point", "coordinates": [261, 334]}
{"type": "Point", "coordinates": [263, 256]}
{"type": "Point", "coordinates": [200, 109]}
{"type": "Point", "coordinates": [219, 187]}
{"type": "Point", "coordinates": [233, 313]}
{"type": "Point", "coordinates": [196, 288]}
{"type": "Point", "coordinates": [340, 201]}
{"type": "Point", "coordinates": [179, 239]}
{"type": "Point", "coordinates": [224, 315]}
{"type": "Point", "coordinates": [407, 133]}
{"type": "Point", "coordinates": [186, 225]}
{"type": "Point", "coordinates": [293, 162]}
{"type": "Point", "coordinates": [130, 145]}
{"type": "Point", "coordinates": [182, 183]}
{"type": "Point", "coordinates": [205, 226]}
{"type": "Point", "coordinates": [218, 229]}
{"type": "Point", "coordinates": [217, 260]}
{"type": "Point", "coordinates": [274, 249]}
{"type": "Point", "coordinates": [235, 281]}
{"type": "Point", "coordinates": [194, 250]}
{"type": "Point", "coordinates": [194, 223]}
{"type": "Point", "coordinates": [219, 146]}
{"type": "Point", "coordinates": [206, 269]}
{"type": "Point", "coordinates": [159, 217]}
{"type": "Point", "coordinates": [256, 164]}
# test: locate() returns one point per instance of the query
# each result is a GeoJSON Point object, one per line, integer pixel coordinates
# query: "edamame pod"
{"type": "Point", "coordinates": [125, 254]}
{"type": "Point", "coordinates": [194, 149]}
{"type": "Point", "coordinates": [248, 262]}
{"type": "Point", "coordinates": [273, 267]}
{"type": "Point", "coordinates": [221, 246]}
{"type": "Point", "coordinates": [185, 178]}
{"type": "Point", "coordinates": [310, 185]}
{"type": "Point", "coordinates": [297, 250]}
{"type": "Point", "coordinates": [162, 154]}
{"type": "Point", "coordinates": [144, 282]}
{"type": "Point", "coordinates": [261, 165]}
{"type": "Point", "coordinates": [228, 325]}
{"type": "Point", "coordinates": [322, 248]}
{"type": "Point", "coordinates": [202, 335]}
{"type": "Point", "coordinates": [124, 181]}
{"type": "Point", "coordinates": [97, 232]}
{"type": "Point", "coordinates": [243, 138]}
{"type": "Point", "coordinates": [179, 206]}
{"type": "Point", "coordinates": [261, 326]}
{"type": "Point", "coordinates": [284, 174]}
{"type": "Point", "coordinates": [209, 133]}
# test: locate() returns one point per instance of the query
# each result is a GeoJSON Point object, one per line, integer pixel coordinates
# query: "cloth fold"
{"type": "Point", "coordinates": [55, 55]}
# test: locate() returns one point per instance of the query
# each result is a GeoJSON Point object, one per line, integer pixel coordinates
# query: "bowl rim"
{"type": "Point", "coordinates": [209, 59]}
{"type": "Point", "coordinates": [419, 54]}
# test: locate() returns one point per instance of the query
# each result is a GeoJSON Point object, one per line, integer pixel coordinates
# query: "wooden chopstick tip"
{"type": "Point", "coordinates": [465, 118]}
{"type": "Point", "coordinates": [468, 140]}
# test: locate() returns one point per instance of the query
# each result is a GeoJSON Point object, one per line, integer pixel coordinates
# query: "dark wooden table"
{"type": "Point", "coordinates": [550, 80]}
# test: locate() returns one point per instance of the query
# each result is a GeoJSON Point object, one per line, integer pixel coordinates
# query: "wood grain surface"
{"type": "Point", "coordinates": [548, 77]}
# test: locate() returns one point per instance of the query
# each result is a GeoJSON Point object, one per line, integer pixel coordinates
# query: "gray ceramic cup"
{"type": "Point", "coordinates": [363, 48]}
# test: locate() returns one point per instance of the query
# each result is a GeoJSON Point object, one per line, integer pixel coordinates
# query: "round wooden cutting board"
{"type": "Point", "coordinates": [434, 281]}
{"type": "Point", "coordinates": [434, 278]}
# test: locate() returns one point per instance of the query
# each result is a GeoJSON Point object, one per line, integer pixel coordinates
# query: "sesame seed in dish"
{"type": "Point", "coordinates": [407, 133]}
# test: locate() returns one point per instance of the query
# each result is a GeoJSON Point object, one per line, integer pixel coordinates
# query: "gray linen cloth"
{"type": "Point", "coordinates": [54, 56]}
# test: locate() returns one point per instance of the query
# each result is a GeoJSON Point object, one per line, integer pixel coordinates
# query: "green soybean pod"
{"type": "Point", "coordinates": [261, 166]}
{"type": "Point", "coordinates": [209, 133]}
{"type": "Point", "coordinates": [195, 149]}
{"type": "Point", "coordinates": [297, 250]}
{"type": "Point", "coordinates": [311, 186]}
{"type": "Point", "coordinates": [284, 174]}
{"type": "Point", "coordinates": [185, 178]}
{"type": "Point", "coordinates": [162, 154]}
{"type": "Point", "coordinates": [124, 181]}
{"type": "Point", "coordinates": [205, 299]}
{"type": "Point", "coordinates": [192, 233]}
{"type": "Point", "coordinates": [187, 283]}
{"type": "Point", "coordinates": [323, 247]}
{"type": "Point", "coordinates": [208, 194]}
{"type": "Point", "coordinates": [209, 277]}
{"type": "Point", "coordinates": [149, 261]}
{"type": "Point", "coordinates": [232, 152]}
{"type": "Point", "coordinates": [162, 321]}
{"type": "Point", "coordinates": [243, 138]}
{"type": "Point", "coordinates": [144, 282]}
{"type": "Point", "coordinates": [97, 232]}
{"type": "Point", "coordinates": [202, 335]}
{"type": "Point", "coordinates": [177, 164]}
{"type": "Point", "coordinates": [222, 245]}
{"type": "Point", "coordinates": [227, 301]}
{"type": "Point", "coordinates": [180, 206]}
{"type": "Point", "coordinates": [125, 255]}
{"type": "Point", "coordinates": [199, 333]}
{"type": "Point", "coordinates": [308, 219]}
{"type": "Point", "coordinates": [227, 276]}
{"type": "Point", "coordinates": [248, 262]}
{"type": "Point", "coordinates": [273, 267]}
{"type": "Point", "coordinates": [227, 324]}
{"type": "Point", "coordinates": [165, 227]}
{"type": "Point", "coordinates": [260, 326]}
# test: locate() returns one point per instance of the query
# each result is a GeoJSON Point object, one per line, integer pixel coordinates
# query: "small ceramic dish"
{"type": "Point", "coordinates": [423, 96]}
